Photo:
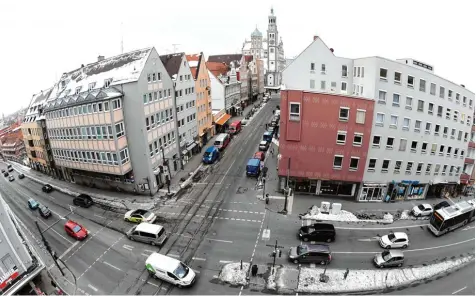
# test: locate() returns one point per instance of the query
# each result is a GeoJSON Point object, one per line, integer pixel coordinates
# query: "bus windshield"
{"type": "Point", "coordinates": [436, 220]}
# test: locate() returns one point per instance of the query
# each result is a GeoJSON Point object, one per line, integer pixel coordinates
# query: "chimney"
{"type": "Point", "coordinates": [463, 85]}
{"type": "Point", "coordinates": [100, 58]}
{"type": "Point", "coordinates": [315, 37]}
{"type": "Point", "coordinates": [332, 50]}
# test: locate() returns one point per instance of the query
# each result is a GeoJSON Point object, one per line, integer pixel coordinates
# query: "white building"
{"type": "Point", "coordinates": [422, 122]}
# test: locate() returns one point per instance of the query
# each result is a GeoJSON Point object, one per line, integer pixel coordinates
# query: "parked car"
{"type": "Point", "coordinates": [263, 145]}
{"type": "Point", "coordinates": [44, 211]}
{"type": "Point", "coordinates": [5, 174]}
{"type": "Point", "coordinates": [222, 141]}
{"type": "Point", "coordinates": [395, 240]}
{"type": "Point", "coordinates": [317, 232]}
{"type": "Point", "coordinates": [389, 258]}
{"type": "Point", "coordinates": [138, 216]}
{"type": "Point", "coordinates": [211, 155]}
{"type": "Point", "coordinates": [259, 155]}
{"type": "Point", "coordinates": [21, 176]}
{"type": "Point", "coordinates": [443, 204]}
{"type": "Point", "coordinates": [83, 200]}
{"type": "Point", "coordinates": [75, 230]}
{"type": "Point", "coordinates": [422, 210]}
{"type": "Point", "coordinates": [310, 254]}
{"type": "Point", "coordinates": [10, 168]}
{"type": "Point", "coordinates": [235, 127]}
{"type": "Point", "coordinates": [47, 188]}
{"type": "Point", "coordinates": [253, 167]}
{"type": "Point", "coordinates": [11, 178]}
{"type": "Point", "coordinates": [33, 204]}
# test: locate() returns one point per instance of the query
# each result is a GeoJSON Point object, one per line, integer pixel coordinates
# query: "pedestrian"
{"type": "Point", "coordinates": [272, 152]}
{"type": "Point", "coordinates": [266, 126]}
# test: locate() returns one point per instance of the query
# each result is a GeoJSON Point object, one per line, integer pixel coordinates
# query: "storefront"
{"type": "Point", "coordinates": [406, 190]}
{"type": "Point", "coordinates": [221, 124]}
{"type": "Point", "coordinates": [442, 190]}
{"type": "Point", "coordinates": [337, 188]}
{"type": "Point", "coordinates": [417, 191]}
{"type": "Point", "coordinates": [372, 192]}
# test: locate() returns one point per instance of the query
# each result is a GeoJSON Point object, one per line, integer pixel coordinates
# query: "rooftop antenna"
{"type": "Point", "coordinates": [175, 47]}
{"type": "Point", "coordinates": [122, 40]}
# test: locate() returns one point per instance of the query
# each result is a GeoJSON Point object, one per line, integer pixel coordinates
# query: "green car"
{"type": "Point", "coordinates": [139, 216]}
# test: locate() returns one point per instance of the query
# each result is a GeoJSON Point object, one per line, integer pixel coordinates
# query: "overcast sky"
{"type": "Point", "coordinates": [43, 39]}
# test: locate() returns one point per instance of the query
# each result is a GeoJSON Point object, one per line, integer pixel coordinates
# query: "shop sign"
{"type": "Point", "coordinates": [8, 277]}
{"type": "Point", "coordinates": [410, 182]}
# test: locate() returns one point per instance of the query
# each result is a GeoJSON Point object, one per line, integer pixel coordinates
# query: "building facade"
{"type": "Point", "coordinates": [421, 122]}
{"type": "Point", "coordinates": [35, 135]}
{"type": "Point", "coordinates": [112, 123]}
{"type": "Point", "coordinates": [12, 145]}
{"type": "Point", "coordinates": [261, 76]}
{"type": "Point", "coordinates": [199, 71]}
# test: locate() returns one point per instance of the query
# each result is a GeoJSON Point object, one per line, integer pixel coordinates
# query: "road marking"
{"type": "Point", "coordinates": [115, 267]}
{"type": "Point", "coordinates": [260, 196]}
{"type": "Point", "coordinates": [57, 232]}
{"type": "Point", "coordinates": [199, 259]}
{"type": "Point", "coordinates": [69, 249]}
{"type": "Point", "coordinates": [145, 255]}
{"type": "Point", "coordinates": [149, 251]}
{"type": "Point", "coordinates": [313, 265]}
{"type": "Point", "coordinates": [226, 173]}
{"type": "Point", "coordinates": [128, 247]}
{"type": "Point", "coordinates": [225, 261]}
{"type": "Point", "coordinates": [174, 255]}
{"type": "Point", "coordinates": [93, 288]}
{"type": "Point", "coordinates": [372, 239]}
{"type": "Point", "coordinates": [457, 291]}
{"type": "Point", "coordinates": [449, 198]}
{"type": "Point", "coordinates": [220, 240]}
{"type": "Point", "coordinates": [467, 228]}
{"type": "Point", "coordinates": [380, 228]}
{"type": "Point", "coordinates": [152, 284]}
{"type": "Point", "coordinates": [99, 216]}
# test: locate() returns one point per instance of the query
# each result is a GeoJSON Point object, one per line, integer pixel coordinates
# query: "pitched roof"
{"type": "Point", "coordinates": [41, 97]}
{"type": "Point", "coordinates": [226, 58]}
{"type": "Point", "coordinates": [217, 68]}
{"type": "Point", "coordinates": [194, 61]}
{"type": "Point", "coordinates": [172, 62]}
{"type": "Point", "coordinates": [121, 69]}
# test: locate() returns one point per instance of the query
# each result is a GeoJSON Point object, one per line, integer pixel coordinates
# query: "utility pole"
{"type": "Point", "coordinates": [276, 252]}
{"type": "Point", "coordinates": [48, 248]}
{"type": "Point", "coordinates": [286, 190]}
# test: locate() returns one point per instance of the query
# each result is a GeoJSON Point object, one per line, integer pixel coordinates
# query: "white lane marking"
{"type": "Point", "coordinates": [457, 291]}
{"type": "Point", "coordinates": [99, 216]}
{"type": "Point", "coordinates": [271, 197]}
{"type": "Point", "coordinates": [109, 264]}
{"type": "Point", "coordinates": [93, 288]}
{"type": "Point", "coordinates": [467, 228]}
{"type": "Point", "coordinates": [69, 249]}
{"type": "Point", "coordinates": [226, 173]}
{"type": "Point", "coordinates": [56, 232]}
{"type": "Point", "coordinates": [380, 228]}
{"type": "Point", "coordinates": [225, 261]}
{"type": "Point", "coordinates": [371, 239]}
{"type": "Point", "coordinates": [313, 265]}
{"type": "Point", "coordinates": [145, 255]}
{"type": "Point", "coordinates": [174, 255]}
{"type": "Point", "coordinates": [290, 204]}
{"type": "Point", "coordinates": [149, 251]}
{"type": "Point", "coordinates": [220, 240]}
{"type": "Point", "coordinates": [199, 259]}
{"type": "Point", "coordinates": [414, 250]}
{"type": "Point", "coordinates": [152, 284]}
{"type": "Point", "coordinates": [128, 247]}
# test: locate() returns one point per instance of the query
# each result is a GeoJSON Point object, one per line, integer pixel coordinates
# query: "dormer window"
{"type": "Point", "coordinates": [78, 89]}
{"type": "Point", "coordinates": [107, 82]}
{"type": "Point", "coordinates": [91, 85]}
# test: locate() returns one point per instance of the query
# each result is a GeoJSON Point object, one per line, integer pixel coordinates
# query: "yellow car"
{"type": "Point", "coordinates": [138, 216]}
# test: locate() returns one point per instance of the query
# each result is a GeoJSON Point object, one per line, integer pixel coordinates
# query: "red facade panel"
{"type": "Point", "coordinates": [311, 140]}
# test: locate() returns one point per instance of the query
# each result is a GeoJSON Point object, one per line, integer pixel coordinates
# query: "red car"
{"type": "Point", "coordinates": [75, 230]}
{"type": "Point", "coordinates": [259, 155]}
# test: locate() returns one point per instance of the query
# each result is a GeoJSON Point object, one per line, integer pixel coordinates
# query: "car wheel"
{"type": "Point", "coordinates": [296, 261]}
{"type": "Point", "coordinates": [323, 262]}
{"type": "Point", "coordinates": [399, 265]}
{"type": "Point", "coordinates": [404, 246]}
{"type": "Point", "coordinates": [387, 247]}
{"type": "Point", "coordinates": [465, 222]}
{"type": "Point", "coordinates": [152, 243]}
{"type": "Point", "coordinates": [305, 239]}
{"type": "Point", "coordinates": [131, 238]}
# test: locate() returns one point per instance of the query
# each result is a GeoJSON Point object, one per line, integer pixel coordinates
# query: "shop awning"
{"type": "Point", "coordinates": [224, 118]}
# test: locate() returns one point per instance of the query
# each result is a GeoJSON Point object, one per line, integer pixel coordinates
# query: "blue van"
{"type": "Point", "coordinates": [268, 137]}
{"type": "Point", "coordinates": [211, 155]}
{"type": "Point", "coordinates": [253, 167]}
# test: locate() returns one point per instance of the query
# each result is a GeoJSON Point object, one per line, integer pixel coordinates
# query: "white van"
{"type": "Point", "coordinates": [222, 141]}
{"type": "Point", "coordinates": [170, 270]}
{"type": "Point", "coordinates": [148, 233]}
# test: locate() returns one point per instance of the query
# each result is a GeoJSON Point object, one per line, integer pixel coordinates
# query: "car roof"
{"type": "Point", "coordinates": [427, 205]}
{"type": "Point", "coordinates": [211, 148]}
{"type": "Point", "coordinates": [31, 199]}
{"type": "Point", "coordinates": [318, 248]}
{"type": "Point", "coordinates": [259, 152]}
{"type": "Point", "coordinates": [396, 253]}
{"type": "Point", "coordinates": [263, 142]}
{"type": "Point", "coordinates": [400, 235]}
{"type": "Point", "coordinates": [163, 262]}
{"type": "Point", "coordinates": [221, 137]}
{"type": "Point", "coordinates": [321, 226]}
{"type": "Point", "coordinates": [71, 223]}
{"type": "Point", "coordinates": [148, 227]}
{"type": "Point", "coordinates": [253, 161]}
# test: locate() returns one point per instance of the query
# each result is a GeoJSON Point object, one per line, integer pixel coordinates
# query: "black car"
{"type": "Point", "coordinates": [21, 176]}
{"type": "Point", "coordinates": [47, 188]}
{"type": "Point", "coordinates": [44, 211]}
{"type": "Point", "coordinates": [3, 171]}
{"type": "Point", "coordinates": [443, 204]}
{"type": "Point", "coordinates": [317, 232]}
{"type": "Point", "coordinates": [5, 174]}
{"type": "Point", "coordinates": [83, 200]}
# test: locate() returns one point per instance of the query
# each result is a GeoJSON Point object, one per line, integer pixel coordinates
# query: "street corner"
{"type": "Point", "coordinates": [235, 274]}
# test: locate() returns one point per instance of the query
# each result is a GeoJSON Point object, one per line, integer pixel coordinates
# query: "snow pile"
{"type": "Point", "coordinates": [405, 215]}
{"type": "Point", "coordinates": [275, 141]}
{"type": "Point", "coordinates": [315, 214]}
{"type": "Point", "coordinates": [232, 274]}
{"type": "Point", "coordinates": [372, 280]}
{"type": "Point", "coordinates": [388, 218]}
{"type": "Point", "coordinates": [271, 282]}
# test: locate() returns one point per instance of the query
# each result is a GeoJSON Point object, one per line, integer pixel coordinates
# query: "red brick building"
{"type": "Point", "coordinates": [326, 138]}
{"type": "Point", "coordinates": [11, 143]}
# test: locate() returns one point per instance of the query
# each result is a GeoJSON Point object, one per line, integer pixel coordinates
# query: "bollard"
{"type": "Point", "coordinates": [254, 270]}
{"type": "Point", "coordinates": [346, 273]}
{"type": "Point", "coordinates": [241, 264]}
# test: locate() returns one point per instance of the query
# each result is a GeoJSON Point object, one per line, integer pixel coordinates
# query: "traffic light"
{"type": "Point", "coordinates": [280, 253]}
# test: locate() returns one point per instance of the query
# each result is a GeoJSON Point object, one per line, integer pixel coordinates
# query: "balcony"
{"type": "Point", "coordinates": [469, 160]}
{"type": "Point", "coordinates": [464, 178]}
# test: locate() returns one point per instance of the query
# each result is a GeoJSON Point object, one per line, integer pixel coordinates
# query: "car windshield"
{"type": "Point", "coordinates": [43, 208]}
{"type": "Point", "coordinates": [217, 143]}
{"type": "Point", "coordinates": [421, 207]}
{"type": "Point", "coordinates": [148, 215]}
{"type": "Point", "coordinates": [76, 228]}
{"type": "Point", "coordinates": [301, 249]}
{"type": "Point", "coordinates": [206, 154]}
{"type": "Point", "coordinates": [386, 255]}
{"type": "Point", "coordinates": [391, 237]}
{"type": "Point", "coordinates": [181, 271]}
{"type": "Point", "coordinates": [33, 203]}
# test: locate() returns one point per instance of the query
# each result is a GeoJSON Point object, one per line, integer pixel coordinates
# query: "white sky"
{"type": "Point", "coordinates": [43, 39]}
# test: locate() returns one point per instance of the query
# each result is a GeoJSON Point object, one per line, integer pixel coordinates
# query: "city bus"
{"type": "Point", "coordinates": [447, 219]}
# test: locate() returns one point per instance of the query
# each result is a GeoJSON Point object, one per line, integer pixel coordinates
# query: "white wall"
{"type": "Point", "coordinates": [217, 92]}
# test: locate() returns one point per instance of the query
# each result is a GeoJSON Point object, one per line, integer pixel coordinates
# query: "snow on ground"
{"type": "Point", "coordinates": [405, 215]}
{"type": "Point", "coordinates": [232, 274]}
{"type": "Point", "coordinates": [271, 282]}
{"type": "Point", "coordinates": [344, 216]}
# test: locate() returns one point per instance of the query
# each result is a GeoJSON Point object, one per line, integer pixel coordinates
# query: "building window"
{"type": "Point", "coordinates": [390, 141]}
{"type": "Point", "coordinates": [294, 111]}
{"type": "Point", "coordinates": [376, 141]}
{"type": "Point", "coordinates": [422, 85]}
{"type": "Point", "coordinates": [358, 139]}
{"type": "Point", "coordinates": [433, 148]}
{"type": "Point", "coordinates": [433, 89]}
{"type": "Point", "coordinates": [437, 169]}
{"type": "Point", "coordinates": [119, 129]}
{"type": "Point", "coordinates": [385, 165]}
{"type": "Point", "coordinates": [323, 85]}
{"type": "Point", "coordinates": [91, 85]}
{"type": "Point", "coordinates": [383, 74]}
{"type": "Point", "coordinates": [372, 164]}
{"type": "Point", "coordinates": [428, 128]}
{"type": "Point", "coordinates": [406, 124]}
{"type": "Point", "coordinates": [419, 168]}
{"type": "Point", "coordinates": [403, 145]}
{"type": "Point", "coordinates": [398, 166]}
{"type": "Point", "coordinates": [360, 117]}
{"type": "Point", "coordinates": [430, 108]}
{"type": "Point", "coordinates": [354, 164]}
{"type": "Point", "coordinates": [424, 147]}
{"type": "Point", "coordinates": [408, 103]}
{"type": "Point", "coordinates": [344, 114]}
{"type": "Point", "coordinates": [442, 92]}
{"type": "Point", "coordinates": [440, 111]}
{"type": "Point", "coordinates": [323, 68]}
{"type": "Point", "coordinates": [116, 104]}
{"type": "Point", "coordinates": [344, 71]}
{"type": "Point", "coordinates": [464, 101]}
{"type": "Point", "coordinates": [408, 170]}
{"type": "Point", "coordinates": [397, 79]}
{"type": "Point", "coordinates": [421, 105]}
{"type": "Point", "coordinates": [312, 83]}
{"type": "Point", "coordinates": [410, 81]}
{"type": "Point", "coordinates": [341, 136]}
{"type": "Point", "coordinates": [437, 129]}
{"type": "Point", "coordinates": [313, 66]}
{"type": "Point", "coordinates": [338, 159]}
{"type": "Point", "coordinates": [333, 86]}
{"type": "Point", "coordinates": [396, 100]}
{"type": "Point", "coordinates": [414, 146]}
{"type": "Point", "coordinates": [107, 82]}
{"type": "Point", "coordinates": [380, 119]}
{"type": "Point", "coordinates": [442, 150]}
{"type": "Point", "coordinates": [78, 89]}
{"type": "Point", "coordinates": [393, 121]}
{"type": "Point", "coordinates": [460, 135]}
{"type": "Point", "coordinates": [382, 96]}
{"type": "Point", "coordinates": [343, 86]}
{"type": "Point", "coordinates": [450, 94]}
{"type": "Point", "coordinates": [124, 153]}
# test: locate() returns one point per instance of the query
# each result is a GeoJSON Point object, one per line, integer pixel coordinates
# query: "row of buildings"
{"type": "Point", "coordinates": [373, 128]}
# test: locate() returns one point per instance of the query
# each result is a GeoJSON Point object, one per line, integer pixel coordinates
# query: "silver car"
{"type": "Point", "coordinates": [389, 258]}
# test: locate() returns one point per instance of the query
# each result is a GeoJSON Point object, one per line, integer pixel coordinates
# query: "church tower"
{"type": "Point", "coordinates": [273, 77]}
